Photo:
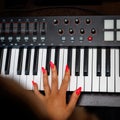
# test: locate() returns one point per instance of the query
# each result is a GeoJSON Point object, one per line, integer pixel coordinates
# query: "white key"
{"type": "Point", "coordinates": [80, 82]}
{"type": "Point", "coordinates": [60, 69]}
{"type": "Point", "coordinates": [117, 78]}
{"type": "Point", "coordinates": [37, 78]}
{"type": "Point", "coordinates": [23, 76]}
{"type": "Point", "coordinates": [95, 82]}
{"type": "Point", "coordinates": [12, 62]}
{"type": "Point", "coordinates": [111, 79]}
{"type": "Point", "coordinates": [103, 79]}
{"type": "Point", "coordinates": [73, 78]}
{"type": "Point", "coordinates": [88, 79]}
{"type": "Point", "coordinates": [52, 60]}
{"type": "Point", "coordinates": [30, 76]}
{"type": "Point", "coordinates": [43, 65]}
{"type": "Point", "coordinates": [15, 76]}
{"type": "Point", "coordinates": [65, 63]}
{"type": "Point", "coordinates": [3, 61]}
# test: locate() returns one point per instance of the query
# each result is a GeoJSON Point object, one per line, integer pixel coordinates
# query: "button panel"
{"type": "Point", "coordinates": [60, 31]}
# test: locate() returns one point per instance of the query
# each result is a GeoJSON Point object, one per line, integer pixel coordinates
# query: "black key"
{"type": "Point", "coordinates": [69, 60]}
{"type": "Point", "coordinates": [8, 58]}
{"type": "Point", "coordinates": [35, 64]}
{"type": "Point", "coordinates": [57, 52]}
{"type": "Point", "coordinates": [28, 59]}
{"type": "Point", "coordinates": [1, 57]}
{"type": "Point", "coordinates": [85, 70]}
{"type": "Point", "coordinates": [20, 60]}
{"type": "Point", "coordinates": [98, 62]}
{"type": "Point", "coordinates": [48, 60]}
{"type": "Point", "coordinates": [107, 61]}
{"type": "Point", "coordinates": [77, 62]}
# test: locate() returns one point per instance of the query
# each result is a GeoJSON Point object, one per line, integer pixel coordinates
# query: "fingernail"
{"type": "Point", "coordinates": [51, 65]}
{"type": "Point", "coordinates": [43, 70]}
{"type": "Point", "coordinates": [33, 83]}
{"type": "Point", "coordinates": [67, 68]}
{"type": "Point", "coordinates": [78, 91]}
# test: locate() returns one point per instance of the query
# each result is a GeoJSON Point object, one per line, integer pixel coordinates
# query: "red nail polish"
{"type": "Point", "coordinates": [51, 65]}
{"type": "Point", "coordinates": [33, 82]}
{"type": "Point", "coordinates": [67, 68]}
{"type": "Point", "coordinates": [43, 70]}
{"type": "Point", "coordinates": [78, 91]}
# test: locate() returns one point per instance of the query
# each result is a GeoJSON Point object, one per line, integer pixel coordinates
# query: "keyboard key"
{"type": "Point", "coordinates": [88, 78]}
{"type": "Point", "coordinates": [117, 70]}
{"type": "Point", "coordinates": [103, 78]}
{"type": "Point", "coordinates": [57, 52]}
{"type": "Point", "coordinates": [12, 61]}
{"type": "Point", "coordinates": [16, 77]}
{"type": "Point", "coordinates": [77, 62]}
{"type": "Point", "coordinates": [8, 58]}
{"type": "Point", "coordinates": [52, 58]}
{"type": "Point", "coordinates": [30, 76]}
{"type": "Point", "coordinates": [4, 60]}
{"type": "Point", "coordinates": [86, 62]}
{"type": "Point", "coordinates": [43, 65]}
{"type": "Point", "coordinates": [48, 60]}
{"type": "Point", "coordinates": [37, 78]}
{"type": "Point", "coordinates": [95, 66]}
{"type": "Point", "coordinates": [69, 60]}
{"type": "Point", "coordinates": [28, 58]}
{"type": "Point", "coordinates": [20, 60]}
{"type": "Point", "coordinates": [108, 62]}
{"type": "Point", "coordinates": [111, 78]}
{"type": "Point", "coordinates": [73, 78]}
{"type": "Point", "coordinates": [98, 62]}
{"type": "Point", "coordinates": [60, 69]}
{"type": "Point", "coordinates": [80, 79]}
{"type": "Point", "coordinates": [35, 64]}
{"type": "Point", "coordinates": [23, 76]}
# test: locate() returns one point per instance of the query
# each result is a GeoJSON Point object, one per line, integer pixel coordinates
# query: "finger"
{"type": "Point", "coordinates": [54, 84]}
{"type": "Point", "coordinates": [45, 82]}
{"type": "Point", "coordinates": [65, 81]}
{"type": "Point", "coordinates": [36, 91]}
{"type": "Point", "coordinates": [73, 100]}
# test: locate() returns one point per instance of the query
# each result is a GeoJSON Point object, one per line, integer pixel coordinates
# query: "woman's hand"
{"type": "Point", "coordinates": [55, 99]}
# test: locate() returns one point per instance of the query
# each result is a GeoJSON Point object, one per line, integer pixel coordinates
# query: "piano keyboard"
{"type": "Point", "coordinates": [94, 69]}
{"type": "Point", "coordinates": [90, 45]}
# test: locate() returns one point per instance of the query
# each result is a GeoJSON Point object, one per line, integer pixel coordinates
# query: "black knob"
{"type": "Point", "coordinates": [66, 21]}
{"type": "Point", "coordinates": [93, 31]}
{"type": "Point", "coordinates": [88, 21]}
{"type": "Point", "coordinates": [71, 31]}
{"type": "Point", "coordinates": [82, 31]}
{"type": "Point", "coordinates": [77, 21]}
{"type": "Point", "coordinates": [55, 21]}
{"type": "Point", "coordinates": [60, 31]}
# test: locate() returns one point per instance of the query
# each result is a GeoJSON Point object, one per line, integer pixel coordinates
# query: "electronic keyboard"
{"type": "Point", "coordinates": [90, 45]}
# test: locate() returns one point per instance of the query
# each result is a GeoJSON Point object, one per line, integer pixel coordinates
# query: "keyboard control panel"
{"type": "Point", "coordinates": [83, 31]}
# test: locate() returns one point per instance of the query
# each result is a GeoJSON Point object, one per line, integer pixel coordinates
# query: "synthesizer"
{"type": "Point", "coordinates": [90, 45]}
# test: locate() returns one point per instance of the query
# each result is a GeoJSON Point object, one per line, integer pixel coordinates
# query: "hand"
{"type": "Point", "coordinates": [55, 99]}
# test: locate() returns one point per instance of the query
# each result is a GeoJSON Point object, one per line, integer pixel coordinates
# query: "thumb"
{"type": "Point", "coordinates": [73, 100]}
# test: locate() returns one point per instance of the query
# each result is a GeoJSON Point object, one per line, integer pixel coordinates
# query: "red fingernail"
{"type": "Point", "coordinates": [51, 65]}
{"type": "Point", "coordinates": [78, 91]}
{"type": "Point", "coordinates": [43, 70]}
{"type": "Point", "coordinates": [67, 68]}
{"type": "Point", "coordinates": [33, 83]}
